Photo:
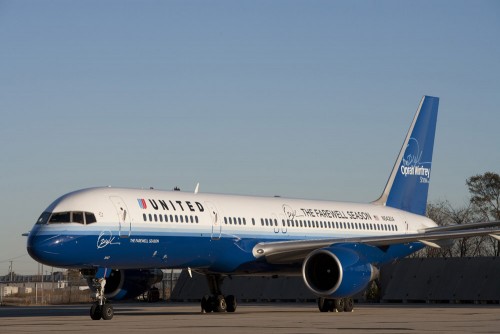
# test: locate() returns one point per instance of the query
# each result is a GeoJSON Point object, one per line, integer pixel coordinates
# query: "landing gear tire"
{"type": "Point", "coordinates": [324, 304]}
{"type": "Point", "coordinates": [335, 305]}
{"type": "Point", "coordinates": [107, 312]}
{"type": "Point", "coordinates": [348, 305]}
{"type": "Point", "coordinates": [231, 303]}
{"type": "Point", "coordinates": [216, 301]}
{"type": "Point", "coordinates": [339, 304]}
{"type": "Point", "coordinates": [220, 305]}
{"type": "Point", "coordinates": [96, 311]}
{"type": "Point", "coordinates": [207, 304]}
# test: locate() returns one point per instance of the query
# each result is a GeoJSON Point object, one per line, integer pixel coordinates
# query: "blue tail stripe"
{"type": "Point", "coordinates": [411, 183]}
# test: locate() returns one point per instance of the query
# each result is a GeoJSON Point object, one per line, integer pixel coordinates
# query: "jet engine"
{"type": "Point", "coordinates": [337, 272]}
{"type": "Point", "coordinates": [127, 283]}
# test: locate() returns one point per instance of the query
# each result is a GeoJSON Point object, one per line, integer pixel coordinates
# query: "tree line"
{"type": "Point", "coordinates": [483, 206]}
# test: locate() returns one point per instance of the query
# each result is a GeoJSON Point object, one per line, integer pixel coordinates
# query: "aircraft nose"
{"type": "Point", "coordinates": [32, 244]}
{"type": "Point", "coordinates": [43, 249]}
{"type": "Point", "coordinates": [36, 246]}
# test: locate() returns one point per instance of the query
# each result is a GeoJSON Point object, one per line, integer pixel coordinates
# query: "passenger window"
{"type": "Point", "coordinates": [196, 219]}
{"type": "Point", "coordinates": [161, 218]}
{"type": "Point", "coordinates": [77, 217]}
{"type": "Point", "coordinates": [60, 217]}
{"type": "Point", "coordinates": [144, 217]}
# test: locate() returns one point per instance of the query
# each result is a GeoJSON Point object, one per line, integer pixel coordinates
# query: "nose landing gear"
{"type": "Point", "coordinates": [100, 309]}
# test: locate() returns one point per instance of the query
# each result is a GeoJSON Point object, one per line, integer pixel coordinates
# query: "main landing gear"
{"type": "Point", "coordinates": [217, 302]}
{"type": "Point", "coordinates": [335, 305]}
{"type": "Point", "coordinates": [100, 308]}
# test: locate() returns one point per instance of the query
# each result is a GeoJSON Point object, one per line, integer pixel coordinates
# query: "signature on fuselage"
{"type": "Point", "coordinates": [106, 238]}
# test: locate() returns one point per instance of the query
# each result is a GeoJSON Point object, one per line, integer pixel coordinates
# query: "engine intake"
{"type": "Point", "coordinates": [337, 272]}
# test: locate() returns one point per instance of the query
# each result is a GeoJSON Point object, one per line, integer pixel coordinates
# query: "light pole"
{"type": "Point", "coordinates": [10, 271]}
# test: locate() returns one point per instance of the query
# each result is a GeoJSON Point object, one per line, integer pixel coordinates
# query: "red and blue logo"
{"type": "Point", "coordinates": [142, 203]}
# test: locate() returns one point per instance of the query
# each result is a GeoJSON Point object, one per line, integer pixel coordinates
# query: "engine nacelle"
{"type": "Point", "coordinates": [337, 272]}
{"type": "Point", "coordinates": [128, 283]}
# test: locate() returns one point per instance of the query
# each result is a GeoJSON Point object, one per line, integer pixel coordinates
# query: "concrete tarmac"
{"type": "Point", "coordinates": [272, 318]}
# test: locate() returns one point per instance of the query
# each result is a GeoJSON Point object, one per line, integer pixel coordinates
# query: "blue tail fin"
{"type": "Point", "coordinates": [408, 183]}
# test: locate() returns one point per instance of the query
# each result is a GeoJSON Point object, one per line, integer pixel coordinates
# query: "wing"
{"type": "Point", "coordinates": [282, 252]}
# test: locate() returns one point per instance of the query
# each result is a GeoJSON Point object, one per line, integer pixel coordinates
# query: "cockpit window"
{"type": "Point", "coordinates": [77, 217]}
{"type": "Point", "coordinates": [89, 218]}
{"type": "Point", "coordinates": [44, 218]}
{"type": "Point", "coordinates": [60, 217]}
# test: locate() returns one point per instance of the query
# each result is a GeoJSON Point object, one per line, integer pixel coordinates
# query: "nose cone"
{"type": "Point", "coordinates": [37, 245]}
{"type": "Point", "coordinates": [55, 249]}
{"type": "Point", "coordinates": [46, 249]}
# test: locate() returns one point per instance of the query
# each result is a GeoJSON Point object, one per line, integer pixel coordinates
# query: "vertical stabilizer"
{"type": "Point", "coordinates": [408, 183]}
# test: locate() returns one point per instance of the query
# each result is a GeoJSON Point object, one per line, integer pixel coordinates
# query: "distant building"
{"type": "Point", "coordinates": [10, 290]}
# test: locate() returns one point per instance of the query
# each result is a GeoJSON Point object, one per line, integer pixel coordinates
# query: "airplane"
{"type": "Point", "coordinates": [121, 238]}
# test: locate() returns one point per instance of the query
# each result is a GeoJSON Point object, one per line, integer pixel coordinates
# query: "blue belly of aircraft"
{"type": "Point", "coordinates": [227, 254]}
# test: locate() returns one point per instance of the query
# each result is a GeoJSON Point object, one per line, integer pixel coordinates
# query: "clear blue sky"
{"type": "Point", "coordinates": [306, 99]}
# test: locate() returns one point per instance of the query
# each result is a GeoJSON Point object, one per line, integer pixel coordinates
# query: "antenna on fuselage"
{"type": "Point", "coordinates": [197, 188]}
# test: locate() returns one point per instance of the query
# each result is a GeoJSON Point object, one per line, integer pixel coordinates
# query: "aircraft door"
{"type": "Point", "coordinates": [124, 218]}
{"type": "Point", "coordinates": [404, 224]}
{"type": "Point", "coordinates": [216, 221]}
